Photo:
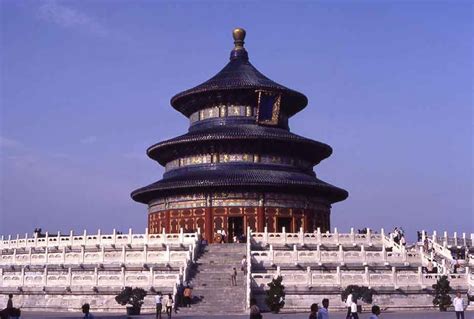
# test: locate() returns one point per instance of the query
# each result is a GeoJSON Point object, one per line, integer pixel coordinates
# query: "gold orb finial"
{"type": "Point", "coordinates": [239, 36]}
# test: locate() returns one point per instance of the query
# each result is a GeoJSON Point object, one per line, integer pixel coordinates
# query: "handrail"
{"type": "Point", "coordinates": [98, 239]}
{"type": "Point", "coordinates": [249, 270]}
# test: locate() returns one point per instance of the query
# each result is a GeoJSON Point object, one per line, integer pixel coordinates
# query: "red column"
{"type": "Point", "coordinates": [208, 224]}
{"type": "Point", "coordinates": [167, 221]}
{"type": "Point", "coordinates": [260, 219]}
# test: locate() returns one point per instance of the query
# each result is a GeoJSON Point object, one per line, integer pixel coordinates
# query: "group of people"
{"type": "Point", "coordinates": [323, 312]}
{"type": "Point", "coordinates": [183, 299]}
{"type": "Point", "coordinates": [399, 236]}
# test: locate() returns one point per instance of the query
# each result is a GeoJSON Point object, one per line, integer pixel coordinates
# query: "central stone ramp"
{"type": "Point", "coordinates": [213, 292]}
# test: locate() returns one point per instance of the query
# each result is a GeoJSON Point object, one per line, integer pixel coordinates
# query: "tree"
{"type": "Point", "coordinates": [442, 290]}
{"type": "Point", "coordinates": [358, 293]}
{"type": "Point", "coordinates": [275, 299]}
{"type": "Point", "coordinates": [131, 296]}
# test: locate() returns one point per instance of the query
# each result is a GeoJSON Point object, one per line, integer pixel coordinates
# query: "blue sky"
{"type": "Point", "coordinates": [85, 89]}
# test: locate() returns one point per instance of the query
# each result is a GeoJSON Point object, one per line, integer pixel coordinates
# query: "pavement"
{"type": "Point", "coordinates": [336, 315]}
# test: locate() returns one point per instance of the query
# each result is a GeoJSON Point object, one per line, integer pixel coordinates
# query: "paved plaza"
{"type": "Point", "coordinates": [336, 315]}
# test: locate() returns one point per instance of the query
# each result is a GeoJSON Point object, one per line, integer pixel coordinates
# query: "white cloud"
{"type": "Point", "coordinates": [68, 17]}
{"type": "Point", "coordinates": [89, 140]}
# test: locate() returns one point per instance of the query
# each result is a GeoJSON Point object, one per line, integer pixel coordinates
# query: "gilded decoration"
{"type": "Point", "coordinates": [268, 109]}
{"type": "Point", "coordinates": [222, 111]}
{"type": "Point", "coordinates": [237, 158]}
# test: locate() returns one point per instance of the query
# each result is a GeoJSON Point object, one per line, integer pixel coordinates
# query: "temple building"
{"type": "Point", "coordinates": [239, 165]}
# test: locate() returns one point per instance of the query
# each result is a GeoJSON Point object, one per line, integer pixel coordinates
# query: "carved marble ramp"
{"type": "Point", "coordinates": [211, 281]}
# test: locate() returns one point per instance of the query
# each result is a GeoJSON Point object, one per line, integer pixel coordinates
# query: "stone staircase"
{"type": "Point", "coordinates": [210, 278]}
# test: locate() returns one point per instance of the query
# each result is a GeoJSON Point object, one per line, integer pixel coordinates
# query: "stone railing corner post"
{"type": "Point", "coordinates": [181, 235]}
{"type": "Point", "coordinates": [394, 278]}
{"type": "Point", "coordinates": [301, 236]}
{"type": "Point", "coordinates": [338, 276]}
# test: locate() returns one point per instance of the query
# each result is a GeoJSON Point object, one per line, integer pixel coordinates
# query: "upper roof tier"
{"type": "Point", "coordinates": [237, 82]}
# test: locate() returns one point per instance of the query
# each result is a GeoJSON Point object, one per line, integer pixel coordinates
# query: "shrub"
{"type": "Point", "coordinates": [358, 293]}
{"type": "Point", "coordinates": [442, 290]}
{"type": "Point", "coordinates": [133, 297]}
{"type": "Point", "coordinates": [275, 299]}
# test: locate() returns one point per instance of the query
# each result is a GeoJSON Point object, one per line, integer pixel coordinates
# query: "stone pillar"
{"type": "Point", "coordinates": [261, 214]}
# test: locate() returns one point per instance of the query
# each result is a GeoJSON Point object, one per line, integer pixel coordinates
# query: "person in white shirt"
{"type": "Point", "coordinates": [458, 304]}
{"type": "Point", "coordinates": [375, 312]}
{"type": "Point", "coordinates": [159, 304]}
{"type": "Point", "coordinates": [354, 313]}
{"type": "Point", "coordinates": [348, 305]}
{"type": "Point", "coordinates": [323, 312]}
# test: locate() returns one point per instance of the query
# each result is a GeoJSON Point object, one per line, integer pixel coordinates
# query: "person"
{"type": "Point", "coordinates": [243, 264]}
{"type": "Point", "coordinates": [458, 304]}
{"type": "Point", "coordinates": [403, 241]}
{"type": "Point", "coordinates": [375, 312]}
{"type": "Point", "coordinates": [323, 312]}
{"type": "Point", "coordinates": [348, 305]}
{"type": "Point", "coordinates": [10, 301]}
{"type": "Point", "coordinates": [426, 244]}
{"type": "Point", "coordinates": [430, 267]}
{"type": "Point", "coordinates": [179, 296]}
{"type": "Point", "coordinates": [254, 310]}
{"type": "Point", "coordinates": [354, 313]}
{"type": "Point", "coordinates": [86, 311]}
{"type": "Point", "coordinates": [224, 236]}
{"type": "Point", "coordinates": [169, 305]}
{"type": "Point", "coordinates": [233, 277]}
{"type": "Point", "coordinates": [187, 296]}
{"type": "Point", "coordinates": [159, 304]}
{"type": "Point", "coordinates": [314, 311]}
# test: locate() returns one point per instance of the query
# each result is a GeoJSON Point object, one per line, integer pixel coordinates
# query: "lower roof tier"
{"type": "Point", "coordinates": [240, 178]}
{"type": "Point", "coordinates": [248, 137]}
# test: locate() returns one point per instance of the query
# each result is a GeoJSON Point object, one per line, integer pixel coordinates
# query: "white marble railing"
{"type": "Point", "coordinates": [123, 256]}
{"type": "Point", "coordinates": [97, 240]}
{"type": "Point", "coordinates": [248, 278]}
{"type": "Point", "coordinates": [340, 256]}
{"type": "Point", "coordinates": [465, 240]}
{"type": "Point", "coordinates": [83, 279]}
{"type": "Point", "coordinates": [317, 238]}
{"type": "Point", "coordinates": [394, 279]}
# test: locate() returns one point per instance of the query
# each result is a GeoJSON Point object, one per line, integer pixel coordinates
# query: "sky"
{"type": "Point", "coordinates": [85, 89]}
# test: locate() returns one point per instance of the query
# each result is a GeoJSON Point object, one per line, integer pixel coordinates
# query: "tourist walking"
{"type": "Point", "coordinates": [187, 296]}
{"type": "Point", "coordinates": [348, 305]}
{"type": "Point", "coordinates": [323, 313]}
{"type": "Point", "coordinates": [314, 311]}
{"type": "Point", "coordinates": [458, 304]}
{"type": "Point", "coordinates": [254, 310]}
{"type": "Point", "coordinates": [243, 264]}
{"type": "Point", "coordinates": [375, 312]}
{"type": "Point", "coordinates": [86, 311]}
{"type": "Point", "coordinates": [354, 314]}
{"type": "Point", "coordinates": [159, 304]}
{"type": "Point", "coordinates": [233, 277]}
{"type": "Point", "coordinates": [169, 305]}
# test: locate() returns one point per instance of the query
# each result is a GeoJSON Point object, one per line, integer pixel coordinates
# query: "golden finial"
{"type": "Point", "coordinates": [239, 36]}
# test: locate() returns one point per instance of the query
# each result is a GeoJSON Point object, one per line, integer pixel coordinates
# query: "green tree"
{"type": "Point", "coordinates": [442, 289]}
{"type": "Point", "coordinates": [358, 293]}
{"type": "Point", "coordinates": [131, 296]}
{"type": "Point", "coordinates": [275, 299]}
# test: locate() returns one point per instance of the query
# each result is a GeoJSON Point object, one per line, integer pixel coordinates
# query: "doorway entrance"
{"type": "Point", "coordinates": [284, 222]}
{"type": "Point", "coordinates": [235, 227]}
